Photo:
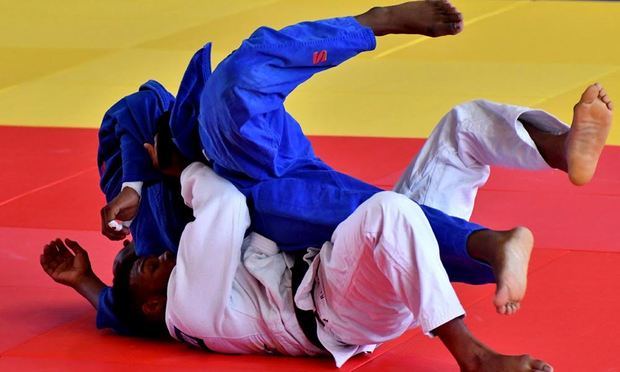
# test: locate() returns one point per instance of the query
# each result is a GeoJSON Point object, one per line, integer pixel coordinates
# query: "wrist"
{"type": "Point", "coordinates": [134, 185]}
{"type": "Point", "coordinates": [90, 286]}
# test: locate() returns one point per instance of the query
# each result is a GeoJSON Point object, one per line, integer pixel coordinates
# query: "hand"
{"type": "Point", "coordinates": [68, 265]}
{"type": "Point", "coordinates": [123, 207]}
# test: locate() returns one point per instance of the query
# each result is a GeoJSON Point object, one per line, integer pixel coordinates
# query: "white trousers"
{"type": "Point", "coordinates": [456, 158]}
{"type": "Point", "coordinates": [381, 274]}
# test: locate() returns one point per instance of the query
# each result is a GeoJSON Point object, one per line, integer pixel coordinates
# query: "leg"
{"type": "Point", "coordinates": [245, 128]}
{"type": "Point", "coordinates": [395, 281]}
{"type": "Point", "coordinates": [456, 159]}
{"type": "Point", "coordinates": [455, 162]}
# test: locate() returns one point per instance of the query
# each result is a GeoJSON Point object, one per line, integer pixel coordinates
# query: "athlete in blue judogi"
{"type": "Point", "coordinates": [235, 119]}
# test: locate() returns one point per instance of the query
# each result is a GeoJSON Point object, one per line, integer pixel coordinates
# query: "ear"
{"type": "Point", "coordinates": [152, 153]}
{"type": "Point", "coordinates": [154, 307]}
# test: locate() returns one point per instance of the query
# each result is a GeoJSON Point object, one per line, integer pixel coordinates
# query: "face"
{"type": "Point", "coordinates": [149, 275]}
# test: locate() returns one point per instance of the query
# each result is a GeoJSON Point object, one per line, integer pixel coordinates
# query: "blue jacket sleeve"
{"type": "Point", "coordinates": [126, 126]}
{"type": "Point", "coordinates": [106, 318]}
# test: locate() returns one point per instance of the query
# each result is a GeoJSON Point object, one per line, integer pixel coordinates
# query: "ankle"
{"type": "Point", "coordinates": [552, 147]}
{"type": "Point", "coordinates": [473, 360]}
{"type": "Point", "coordinates": [468, 352]}
{"type": "Point", "coordinates": [482, 245]}
{"type": "Point", "coordinates": [377, 19]}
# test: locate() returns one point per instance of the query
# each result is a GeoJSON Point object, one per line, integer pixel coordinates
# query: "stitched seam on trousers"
{"type": "Point", "coordinates": [432, 178]}
{"type": "Point", "coordinates": [357, 263]}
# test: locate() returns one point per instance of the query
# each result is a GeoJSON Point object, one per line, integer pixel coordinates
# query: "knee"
{"type": "Point", "coordinates": [393, 207]}
{"type": "Point", "coordinates": [399, 225]}
{"type": "Point", "coordinates": [459, 121]}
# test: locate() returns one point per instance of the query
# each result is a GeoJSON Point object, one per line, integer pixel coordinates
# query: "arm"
{"type": "Point", "coordinates": [210, 247]}
{"type": "Point", "coordinates": [69, 265]}
{"type": "Point", "coordinates": [129, 124]}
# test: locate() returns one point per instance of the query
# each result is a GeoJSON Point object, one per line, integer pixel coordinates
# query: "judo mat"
{"type": "Point", "coordinates": [64, 63]}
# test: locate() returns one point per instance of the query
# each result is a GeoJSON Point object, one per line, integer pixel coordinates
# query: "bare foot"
{"type": "Point", "coordinates": [428, 17]}
{"type": "Point", "coordinates": [510, 266]}
{"type": "Point", "coordinates": [492, 362]}
{"type": "Point", "coordinates": [473, 355]}
{"type": "Point", "coordinates": [588, 133]}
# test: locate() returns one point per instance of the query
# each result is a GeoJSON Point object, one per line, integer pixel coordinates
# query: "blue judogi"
{"type": "Point", "coordinates": [235, 117]}
{"type": "Point", "coordinates": [294, 198]}
{"type": "Point", "coordinates": [162, 214]}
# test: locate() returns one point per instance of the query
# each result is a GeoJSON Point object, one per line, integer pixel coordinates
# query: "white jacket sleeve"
{"type": "Point", "coordinates": [209, 250]}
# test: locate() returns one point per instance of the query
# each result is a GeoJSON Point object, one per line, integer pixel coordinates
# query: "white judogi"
{"type": "Point", "coordinates": [379, 276]}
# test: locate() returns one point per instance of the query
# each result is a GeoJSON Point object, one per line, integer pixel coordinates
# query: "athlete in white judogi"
{"type": "Point", "coordinates": [380, 274]}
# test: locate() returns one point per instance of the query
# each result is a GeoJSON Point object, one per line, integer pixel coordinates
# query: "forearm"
{"type": "Point", "coordinates": [90, 288]}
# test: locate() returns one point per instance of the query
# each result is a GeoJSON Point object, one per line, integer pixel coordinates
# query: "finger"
{"type": "Point", "coordinates": [44, 261]}
{"type": "Point", "coordinates": [115, 235]}
{"type": "Point", "coordinates": [108, 213]}
{"type": "Point", "coordinates": [49, 249]}
{"type": "Point", "coordinates": [75, 246]}
{"type": "Point", "coordinates": [48, 264]}
{"type": "Point", "coordinates": [62, 249]}
{"type": "Point", "coordinates": [118, 235]}
{"type": "Point", "coordinates": [51, 252]}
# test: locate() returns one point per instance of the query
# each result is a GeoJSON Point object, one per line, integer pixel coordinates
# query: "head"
{"type": "Point", "coordinates": [139, 289]}
{"type": "Point", "coordinates": [163, 152]}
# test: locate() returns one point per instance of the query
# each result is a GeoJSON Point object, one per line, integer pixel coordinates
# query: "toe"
{"type": "Point", "coordinates": [513, 309]}
{"type": "Point", "coordinates": [539, 365]}
{"type": "Point", "coordinates": [591, 93]}
{"type": "Point", "coordinates": [454, 17]}
{"type": "Point", "coordinates": [444, 29]}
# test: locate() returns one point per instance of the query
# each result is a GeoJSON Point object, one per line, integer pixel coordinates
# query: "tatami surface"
{"type": "Point", "coordinates": [64, 63]}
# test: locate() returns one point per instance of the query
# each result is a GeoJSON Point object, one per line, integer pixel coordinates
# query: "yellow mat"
{"type": "Point", "coordinates": [65, 62]}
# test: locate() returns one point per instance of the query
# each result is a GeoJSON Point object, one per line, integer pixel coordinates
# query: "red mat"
{"type": "Point", "coordinates": [49, 189]}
